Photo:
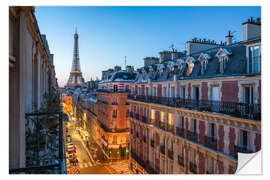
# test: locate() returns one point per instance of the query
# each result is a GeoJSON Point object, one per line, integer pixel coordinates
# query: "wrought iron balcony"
{"type": "Point", "coordinates": [241, 149]}
{"type": "Point", "coordinates": [161, 125]}
{"type": "Point", "coordinates": [152, 121]}
{"type": "Point", "coordinates": [137, 135]}
{"type": "Point", "coordinates": [113, 90]}
{"type": "Point", "coordinates": [180, 132]}
{"type": "Point", "coordinates": [44, 144]}
{"type": "Point", "coordinates": [211, 142]}
{"type": "Point", "coordinates": [144, 164]}
{"type": "Point", "coordinates": [170, 154]}
{"type": "Point", "coordinates": [242, 110]}
{"type": "Point", "coordinates": [152, 143]}
{"type": "Point", "coordinates": [137, 116]}
{"type": "Point", "coordinates": [131, 114]}
{"type": "Point", "coordinates": [181, 160]}
{"type": "Point", "coordinates": [193, 167]}
{"type": "Point", "coordinates": [170, 128]}
{"type": "Point", "coordinates": [162, 149]}
{"type": "Point", "coordinates": [193, 136]}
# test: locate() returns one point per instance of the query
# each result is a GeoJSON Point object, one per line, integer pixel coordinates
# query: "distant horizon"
{"type": "Point", "coordinates": [108, 34]}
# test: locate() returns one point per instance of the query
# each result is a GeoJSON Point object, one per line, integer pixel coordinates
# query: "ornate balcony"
{"type": "Point", "coordinates": [180, 132]}
{"type": "Point", "coordinates": [181, 160]}
{"type": "Point", "coordinates": [162, 149]}
{"type": "Point", "coordinates": [211, 142]}
{"type": "Point", "coordinates": [193, 167]}
{"type": "Point", "coordinates": [144, 164]}
{"type": "Point", "coordinates": [193, 136]}
{"type": "Point", "coordinates": [242, 110]}
{"type": "Point", "coordinates": [170, 128]}
{"type": "Point", "coordinates": [44, 133]}
{"type": "Point", "coordinates": [162, 125]}
{"type": "Point", "coordinates": [243, 149]}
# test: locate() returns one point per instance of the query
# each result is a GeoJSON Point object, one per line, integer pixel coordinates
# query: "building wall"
{"type": "Point", "coordinates": [26, 54]}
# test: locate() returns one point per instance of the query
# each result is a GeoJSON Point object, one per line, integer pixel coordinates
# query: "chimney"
{"type": "Point", "coordinates": [229, 38]}
{"type": "Point", "coordinates": [252, 29]}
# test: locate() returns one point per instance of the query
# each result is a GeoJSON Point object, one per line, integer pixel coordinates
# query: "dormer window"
{"type": "Point", "coordinates": [203, 58]}
{"type": "Point", "coordinates": [223, 56]}
{"type": "Point", "coordinates": [190, 62]}
{"type": "Point", "coordinates": [180, 63]}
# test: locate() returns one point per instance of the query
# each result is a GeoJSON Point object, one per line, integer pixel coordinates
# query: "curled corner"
{"type": "Point", "coordinates": [249, 163]}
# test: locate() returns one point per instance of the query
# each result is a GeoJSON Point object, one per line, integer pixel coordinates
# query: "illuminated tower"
{"type": "Point", "coordinates": [75, 77]}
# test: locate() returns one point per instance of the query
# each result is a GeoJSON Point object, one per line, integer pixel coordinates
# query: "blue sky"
{"type": "Point", "coordinates": [108, 34]}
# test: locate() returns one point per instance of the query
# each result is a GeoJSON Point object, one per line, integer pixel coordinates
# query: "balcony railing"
{"type": "Point", "coordinates": [170, 154]}
{"type": "Point", "coordinates": [243, 149]}
{"type": "Point", "coordinates": [211, 142]}
{"type": "Point", "coordinates": [193, 136]}
{"type": "Point", "coordinates": [242, 110]}
{"type": "Point", "coordinates": [180, 132]}
{"type": "Point", "coordinates": [44, 144]}
{"type": "Point", "coordinates": [170, 128]}
{"type": "Point", "coordinates": [161, 125]}
{"type": "Point", "coordinates": [193, 167]}
{"type": "Point", "coordinates": [162, 149]}
{"type": "Point", "coordinates": [144, 164]}
{"type": "Point", "coordinates": [181, 160]}
{"type": "Point", "coordinates": [116, 130]}
{"type": "Point", "coordinates": [113, 90]}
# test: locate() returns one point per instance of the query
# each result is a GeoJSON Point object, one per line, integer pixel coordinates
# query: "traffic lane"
{"type": "Point", "coordinates": [81, 153]}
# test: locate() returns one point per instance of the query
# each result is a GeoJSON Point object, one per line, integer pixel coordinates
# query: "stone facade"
{"type": "Point", "coordinates": [29, 68]}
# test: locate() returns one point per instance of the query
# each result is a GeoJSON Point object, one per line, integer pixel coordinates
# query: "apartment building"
{"type": "Point", "coordinates": [194, 114]}
{"type": "Point", "coordinates": [113, 112]}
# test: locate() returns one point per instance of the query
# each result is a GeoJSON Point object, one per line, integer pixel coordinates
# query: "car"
{"type": "Point", "coordinates": [68, 135]}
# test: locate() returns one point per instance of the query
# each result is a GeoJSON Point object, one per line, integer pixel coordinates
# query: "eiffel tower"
{"type": "Point", "coordinates": [75, 77]}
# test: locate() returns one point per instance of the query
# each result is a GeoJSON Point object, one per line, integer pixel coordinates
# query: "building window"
{"type": "Point", "coordinates": [127, 87]}
{"type": "Point", "coordinates": [212, 130]}
{"type": "Point", "coordinates": [196, 93]}
{"type": "Point", "coordinates": [146, 91]}
{"type": "Point", "coordinates": [114, 139]}
{"type": "Point", "coordinates": [115, 88]}
{"type": "Point", "coordinates": [114, 113]}
{"type": "Point", "coordinates": [140, 91]}
{"type": "Point", "coordinates": [181, 122]}
{"type": "Point", "coordinates": [154, 91]}
{"type": "Point", "coordinates": [183, 92]}
{"type": "Point", "coordinates": [171, 119]}
{"type": "Point", "coordinates": [243, 138]}
{"type": "Point", "coordinates": [248, 94]}
{"type": "Point", "coordinates": [193, 126]}
{"type": "Point", "coordinates": [255, 59]}
{"type": "Point", "coordinates": [172, 92]}
{"type": "Point", "coordinates": [215, 93]}
{"type": "Point", "coordinates": [164, 91]}
{"type": "Point", "coordinates": [204, 64]}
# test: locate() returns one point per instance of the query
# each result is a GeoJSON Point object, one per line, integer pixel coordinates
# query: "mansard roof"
{"type": "Point", "coordinates": [236, 65]}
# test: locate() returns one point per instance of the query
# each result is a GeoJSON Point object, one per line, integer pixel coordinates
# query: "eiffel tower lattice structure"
{"type": "Point", "coordinates": [75, 78]}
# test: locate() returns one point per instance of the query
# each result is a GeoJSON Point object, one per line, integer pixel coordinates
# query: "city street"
{"type": "Point", "coordinates": [91, 160]}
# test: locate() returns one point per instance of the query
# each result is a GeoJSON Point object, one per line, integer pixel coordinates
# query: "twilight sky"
{"type": "Point", "coordinates": [108, 34]}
